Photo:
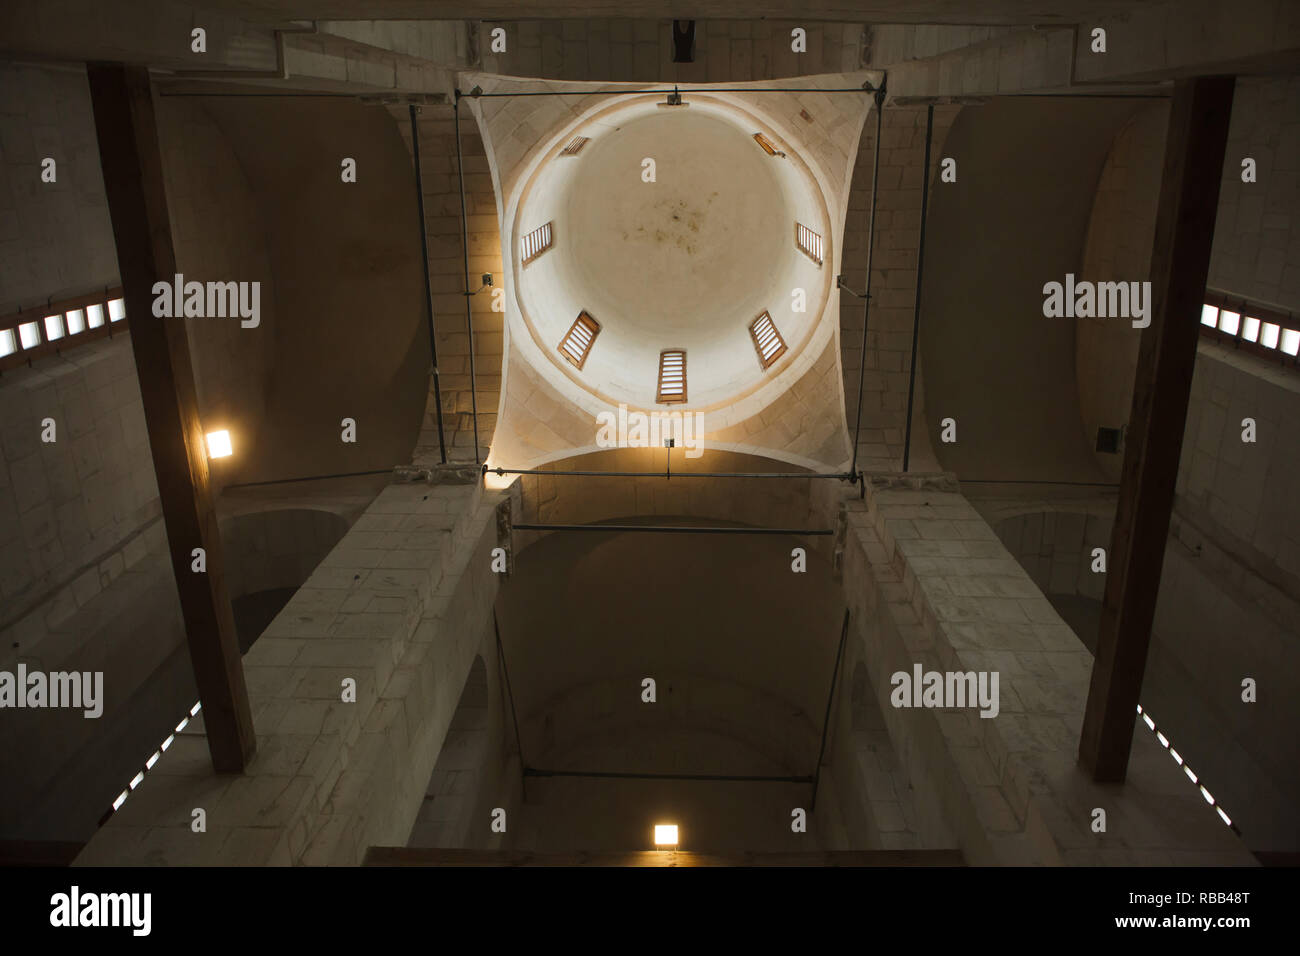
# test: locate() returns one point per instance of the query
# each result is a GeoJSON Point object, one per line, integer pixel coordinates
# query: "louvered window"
{"type": "Point", "coordinates": [767, 340]}
{"type": "Point", "coordinates": [808, 242]}
{"type": "Point", "coordinates": [536, 242]}
{"type": "Point", "coordinates": [576, 344]}
{"type": "Point", "coordinates": [672, 377]}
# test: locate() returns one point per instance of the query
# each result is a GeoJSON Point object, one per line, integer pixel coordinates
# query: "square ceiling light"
{"type": "Point", "coordinates": [219, 444]}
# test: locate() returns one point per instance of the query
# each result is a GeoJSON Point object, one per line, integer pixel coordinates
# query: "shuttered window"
{"type": "Point", "coordinates": [575, 146]}
{"type": "Point", "coordinates": [576, 344]}
{"type": "Point", "coordinates": [536, 242]}
{"type": "Point", "coordinates": [767, 340]}
{"type": "Point", "coordinates": [809, 242]}
{"type": "Point", "coordinates": [672, 377]}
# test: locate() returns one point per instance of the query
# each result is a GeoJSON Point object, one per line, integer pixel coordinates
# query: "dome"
{"type": "Point", "coordinates": [674, 229]}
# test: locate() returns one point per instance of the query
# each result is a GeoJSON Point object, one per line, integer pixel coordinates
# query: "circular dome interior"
{"type": "Point", "coordinates": [686, 261]}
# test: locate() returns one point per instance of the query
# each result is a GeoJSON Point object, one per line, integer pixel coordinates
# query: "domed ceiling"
{"type": "Point", "coordinates": [685, 261]}
{"type": "Point", "coordinates": [671, 227]}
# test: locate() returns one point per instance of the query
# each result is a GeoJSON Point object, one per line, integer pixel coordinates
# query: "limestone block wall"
{"type": "Point", "coordinates": [265, 550]}
{"type": "Point", "coordinates": [477, 771]}
{"type": "Point", "coordinates": [447, 277]}
{"type": "Point", "coordinates": [1254, 235]}
{"type": "Point", "coordinates": [1229, 603]}
{"type": "Point", "coordinates": [642, 50]}
{"type": "Point", "coordinates": [1240, 492]}
{"type": "Point", "coordinates": [1006, 61]}
{"type": "Point", "coordinates": [771, 503]}
{"type": "Point", "coordinates": [68, 508]}
{"type": "Point", "coordinates": [888, 355]}
{"type": "Point", "coordinates": [56, 240]}
{"type": "Point", "coordinates": [1055, 549]}
{"type": "Point", "coordinates": [156, 31]}
{"type": "Point", "coordinates": [1189, 37]}
{"type": "Point", "coordinates": [929, 582]}
{"type": "Point", "coordinates": [877, 799]}
{"type": "Point", "coordinates": [68, 769]}
{"type": "Point", "coordinates": [891, 44]}
{"type": "Point", "coordinates": [1230, 587]}
{"type": "Point", "coordinates": [401, 605]}
{"type": "Point", "coordinates": [444, 42]}
{"type": "Point", "coordinates": [120, 616]}
{"type": "Point", "coordinates": [1257, 230]}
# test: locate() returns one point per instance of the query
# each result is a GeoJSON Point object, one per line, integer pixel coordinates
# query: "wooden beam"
{"type": "Point", "coordinates": [137, 202]}
{"type": "Point", "coordinates": [1180, 261]}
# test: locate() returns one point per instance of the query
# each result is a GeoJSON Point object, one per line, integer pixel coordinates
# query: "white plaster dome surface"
{"type": "Point", "coordinates": [686, 261]}
{"type": "Point", "coordinates": [703, 242]}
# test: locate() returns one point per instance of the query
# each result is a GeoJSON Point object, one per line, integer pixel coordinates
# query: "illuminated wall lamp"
{"type": "Point", "coordinates": [665, 836]}
{"type": "Point", "coordinates": [219, 444]}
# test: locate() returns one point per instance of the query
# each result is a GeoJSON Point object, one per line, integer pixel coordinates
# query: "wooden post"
{"type": "Point", "coordinates": [133, 180]}
{"type": "Point", "coordinates": [1180, 261]}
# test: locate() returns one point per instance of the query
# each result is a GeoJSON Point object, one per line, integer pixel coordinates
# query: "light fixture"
{"type": "Point", "coordinates": [665, 835]}
{"type": "Point", "coordinates": [219, 444]}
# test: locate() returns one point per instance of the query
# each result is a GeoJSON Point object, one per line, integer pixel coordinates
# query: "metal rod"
{"type": "Point", "coordinates": [842, 476]}
{"type": "Point", "coordinates": [514, 716]}
{"type": "Point", "coordinates": [866, 296]}
{"type": "Point", "coordinates": [290, 481]}
{"type": "Point", "coordinates": [826, 724]}
{"type": "Point", "coordinates": [615, 775]}
{"type": "Point", "coordinates": [653, 92]}
{"type": "Point", "coordinates": [464, 242]}
{"type": "Point", "coordinates": [920, 261]}
{"type": "Point", "coordinates": [352, 96]}
{"type": "Point", "coordinates": [428, 282]}
{"type": "Point", "coordinates": [668, 529]}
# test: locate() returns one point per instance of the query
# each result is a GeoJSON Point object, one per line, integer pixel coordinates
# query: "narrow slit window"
{"type": "Point", "coordinates": [536, 242]}
{"type": "Point", "coordinates": [576, 344]}
{"type": "Point", "coordinates": [575, 146]}
{"type": "Point", "coordinates": [809, 242]}
{"type": "Point", "coordinates": [1209, 316]}
{"type": "Point", "coordinates": [75, 321]}
{"type": "Point", "coordinates": [1268, 335]}
{"type": "Point", "coordinates": [767, 340]}
{"type": "Point", "coordinates": [116, 310]}
{"type": "Point", "coordinates": [1229, 321]}
{"type": "Point", "coordinates": [53, 327]}
{"type": "Point", "coordinates": [29, 334]}
{"type": "Point", "coordinates": [94, 316]}
{"type": "Point", "coordinates": [672, 377]}
{"type": "Point", "coordinates": [8, 342]}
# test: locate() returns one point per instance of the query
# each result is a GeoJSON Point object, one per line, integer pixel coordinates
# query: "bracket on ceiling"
{"type": "Point", "coordinates": [486, 279]}
{"type": "Point", "coordinates": [879, 91]}
{"type": "Point", "coordinates": [840, 283]}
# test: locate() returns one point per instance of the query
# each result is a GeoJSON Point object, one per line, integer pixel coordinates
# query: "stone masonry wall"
{"type": "Point", "coordinates": [893, 280]}
{"type": "Point", "coordinates": [642, 50]}
{"type": "Point", "coordinates": [928, 582]}
{"type": "Point", "coordinates": [402, 605]}
{"type": "Point", "coordinates": [447, 277]}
